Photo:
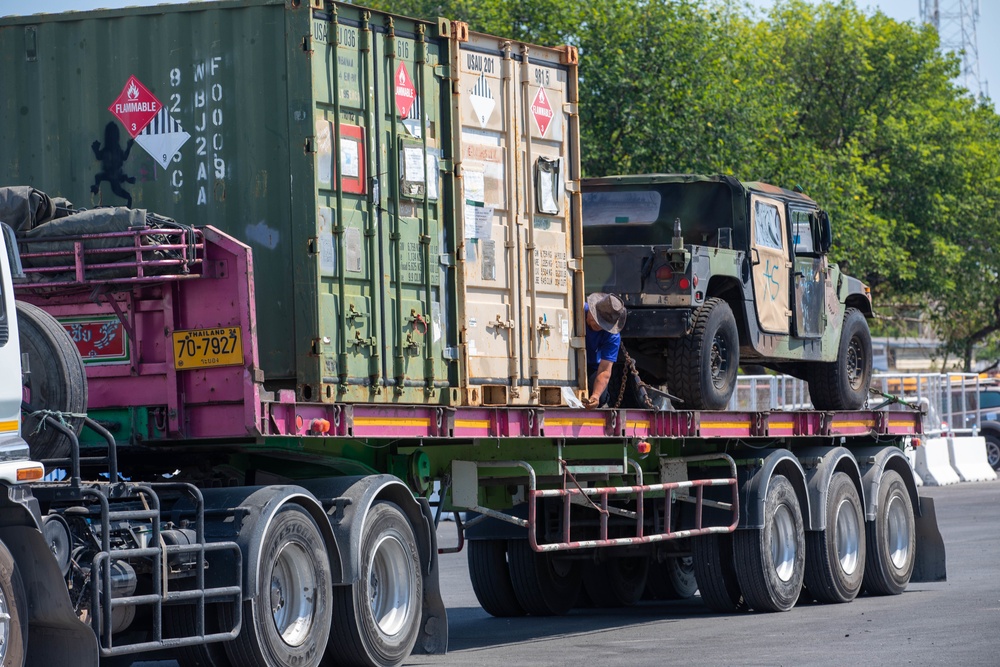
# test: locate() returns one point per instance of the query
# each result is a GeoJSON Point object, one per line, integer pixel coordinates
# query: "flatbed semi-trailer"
{"type": "Point", "coordinates": [228, 524]}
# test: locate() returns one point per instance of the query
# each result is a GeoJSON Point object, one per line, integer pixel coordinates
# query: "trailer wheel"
{"type": "Point", "coordinates": [13, 619]}
{"type": "Point", "coordinates": [57, 379]}
{"type": "Point", "coordinates": [178, 621]}
{"type": "Point", "coordinates": [843, 384]}
{"type": "Point", "coordinates": [287, 620]}
{"type": "Point", "coordinates": [673, 579]}
{"type": "Point", "coordinates": [616, 582]}
{"type": "Point", "coordinates": [715, 572]}
{"type": "Point", "coordinates": [891, 539]}
{"type": "Point", "coordinates": [771, 560]}
{"type": "Point", "coordinates": [545, 586]}
{"type": "Point", "coordinates": [702, 365]}
{"type": "Point", "coordinates": [836, 556]}
{"type": "Point", "coordinates": [490, 576]}
{"type": "Point", "coordinates": [378, 617]}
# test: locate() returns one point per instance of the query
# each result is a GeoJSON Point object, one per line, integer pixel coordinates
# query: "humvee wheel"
{"type": "Point", "coordinates": [843, 384]}
{"type": "Point", "coordinates": [702, 365]}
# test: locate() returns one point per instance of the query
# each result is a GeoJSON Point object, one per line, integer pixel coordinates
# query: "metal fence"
{"type": "Point", "coordinates": [950, 402]}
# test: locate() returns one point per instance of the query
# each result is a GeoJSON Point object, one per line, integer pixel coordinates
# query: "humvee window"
{"type": "Point", "coordinates": [802, 236]}
{"type": "Point", "coordinates": [618, 206]}
{"type": "Point", "coordinates": [768, 225]}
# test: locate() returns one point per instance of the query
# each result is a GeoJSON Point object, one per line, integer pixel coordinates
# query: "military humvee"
{"type": "Point", "coordinates": [717, 273]}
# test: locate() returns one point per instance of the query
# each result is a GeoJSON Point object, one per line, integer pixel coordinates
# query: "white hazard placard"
{"type": "Point", "coordinates": [162, 137]}
{"type": "Point", "coordinates": [481, 98]}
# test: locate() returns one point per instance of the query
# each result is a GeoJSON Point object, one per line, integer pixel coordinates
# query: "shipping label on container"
{"type": "Point", "coordinates": [406, 93]}
{"type": "Point", "coordinates": [101, 339]}
{"type": "Point", "coordinates": [135, 106]}
{"type": "Point", "coordinates": [348, 87]}
{"type": "Point", "coordinates": [352, 157]}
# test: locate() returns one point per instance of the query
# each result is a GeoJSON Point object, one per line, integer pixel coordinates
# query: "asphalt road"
{"type": "Point", "coordinates": [956, 622]}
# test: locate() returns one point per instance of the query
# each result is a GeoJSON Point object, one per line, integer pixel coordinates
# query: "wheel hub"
{"type": "Point", "coordinates": [719, 361]}
{"type": "Point", "coordinates": [848, 540]}
{"type": "Point", "coordinates": [293, 593]}
{"type": "Point", "coordinates": [897, 533]}
{"type": "Point", "coordinates": [391, 583]}
{"type": "Point", "coordinates": [855, 364]}
{"type": "Point", "coordinates": [783, 545]}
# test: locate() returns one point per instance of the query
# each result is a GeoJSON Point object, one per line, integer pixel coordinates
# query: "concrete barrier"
{"type": "Point", "coordinates": [967, 456]}
{"type": "Point", "coordinates": [933, 463]}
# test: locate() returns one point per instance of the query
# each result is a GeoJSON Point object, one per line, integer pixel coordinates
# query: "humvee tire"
{"type": "Point", "coordinates": [702, 364]}
{"type": "Point", "coordinates": [843, 384]}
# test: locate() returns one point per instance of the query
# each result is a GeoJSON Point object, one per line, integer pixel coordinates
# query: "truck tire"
{"type": "Point", "coordinates": [616, 582]}
{"type": "Point", "coordinates": [891, 539]}
{"type": "Point", "coordinates": [835, 557]}
{"type": "Point", "coordinates": [770, 561]}
{"type": "Point", "coordinates": [673, 579]}
{"type": "Point", "coordinates": [57, 379]}
{"type": "Point", "coordinates": [544, 585]}
{"type": "Point", "coordinates": [178, 621]}
{"type": "Point", "coordinates": [715, 572]}
{"type": "Point", "coordinates": [843, 384]}
{"type": "Point", "coordinates": [376, 619]}
{"type": "Point", "coordinates": [490, 576]}
{"type": "Point", "coordinates": [702, 365]}
{"type": "Point", "coordinates": [287, 619]}
{"type": "Point", "coordinates": [13, 612]}
{"type": "Point", "coordinates": [992, 450]}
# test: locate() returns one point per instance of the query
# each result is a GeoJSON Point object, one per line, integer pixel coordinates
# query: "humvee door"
{"type": "Point", "coordinates": [771, 263]}
{"type": "Point", "coordinates": [812, 276]}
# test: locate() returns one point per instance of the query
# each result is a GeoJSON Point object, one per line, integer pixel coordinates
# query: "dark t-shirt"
{"type": "Point", "coordinates": [601, 346]}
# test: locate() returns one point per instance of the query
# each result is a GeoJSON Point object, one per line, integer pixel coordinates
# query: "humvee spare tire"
{"type": "Point", "coordinates": [843, 384]}
{"type": "Point", "coordinates": [55, 379]}
{"type": "Point", "coordinates": [702, 365]}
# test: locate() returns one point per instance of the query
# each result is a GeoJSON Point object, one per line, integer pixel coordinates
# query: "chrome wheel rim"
{"type": "Point", "coordinates": [897, 533]}
{"type": "Point", "coordinates": [783, 545]}
{"type": "Point", "coordinates": [848, 537]}
{"type": "Point", "coordinates": [391, 582]}
{"type": "Point", "coordinates": [993, 454]}
{"type": "Point", "coordinates": [4, 626]}
{"type": "Point", "coordinates": [293, 593]}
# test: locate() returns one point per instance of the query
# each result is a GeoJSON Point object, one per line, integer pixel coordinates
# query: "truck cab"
{"type": "Point", "coordinates": [716, 272]}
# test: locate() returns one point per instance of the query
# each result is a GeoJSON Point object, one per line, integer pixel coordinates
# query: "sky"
{"type": "Point", "coordinates": [902, 10]}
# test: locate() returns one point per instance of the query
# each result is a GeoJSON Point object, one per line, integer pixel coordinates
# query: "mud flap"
{"type": "Point", "coordinates": [929, 564]}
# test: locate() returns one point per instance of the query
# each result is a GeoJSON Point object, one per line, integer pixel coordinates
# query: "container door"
{"type": "Point", "coordinates": [550, 220]}
{"type": "Point", "coordinates": [486, 257]}
{"type": "Point", "coordinates": [414, 133]}
{"type": "Point", "coordinates": [771, 265]}
{"type": "Point", "coordinates": [345, 244]}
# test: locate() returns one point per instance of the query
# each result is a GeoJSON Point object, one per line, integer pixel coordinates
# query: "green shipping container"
{"type": "Point", "coordinates": [324, 136]}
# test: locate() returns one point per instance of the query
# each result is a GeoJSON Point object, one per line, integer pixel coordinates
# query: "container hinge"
{"type": "Point", "coordinates": [442, 71]}
{"type": "Point", "coordinates": [307, 44]}
{"type": "Point", "coordinates": [574, 264]}
{"type": "Point", "coordinates": [571, 108]}
{"type": "Point", "coordinates": [395, 236]}
{"type": "Point", "coordinates": [446, 259]}
{"type": "Point", "coordinates": [450, 353]}
{"type": "Point", "coordinates": [312, 245]}
{"type": "Point", "coordinates": [425, 239]}
{"type": "Point", "coordinates": [310, 145]}
{"type": "Point", "coordinates": [572, 186]}
{"type": "Point", "coordinates": [445, 165]}
{"type": "Point", "coordinates": [578, 342]}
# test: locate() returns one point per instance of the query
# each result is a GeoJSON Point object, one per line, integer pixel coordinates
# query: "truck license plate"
{"type": "Point", "coordinates": [205, 348]}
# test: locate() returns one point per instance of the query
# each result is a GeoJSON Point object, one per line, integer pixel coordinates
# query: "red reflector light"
{"type": "Point", "coordinates": [684, 283]}
{"type": "Point", "coordinates": [664, 273]}
{"type": "Point", "coordinates": [643, 447]}
{"type": "Point", "coordinates": [694, 279]}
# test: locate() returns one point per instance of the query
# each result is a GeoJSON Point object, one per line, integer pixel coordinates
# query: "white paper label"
{"type": "Point", "coordinates": [475, 185]}
{"type": "Point", "coordinates": [349, 164]}
{"type": "Point", "coordinates": [413, 165]}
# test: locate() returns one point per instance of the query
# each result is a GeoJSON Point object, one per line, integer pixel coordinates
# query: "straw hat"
{"type": "Point", "coordinates": [608, 310]}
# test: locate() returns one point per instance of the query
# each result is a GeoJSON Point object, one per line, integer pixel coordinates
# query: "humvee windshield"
{"type": "Point", "coordinates": [632, 214]}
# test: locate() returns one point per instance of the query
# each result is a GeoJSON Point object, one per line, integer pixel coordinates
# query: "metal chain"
{"type": "Point", "coordinates": [630, 369]}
